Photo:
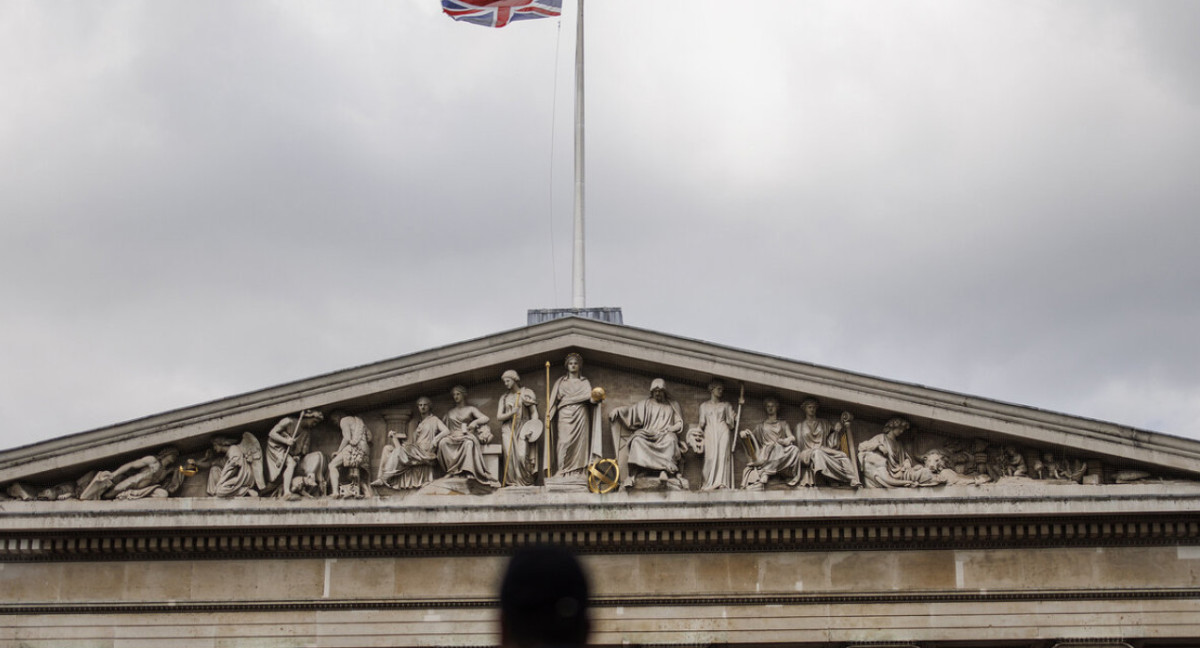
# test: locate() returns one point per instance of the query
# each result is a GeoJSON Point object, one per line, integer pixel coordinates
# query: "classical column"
{"type": "Point", "coordinates": [396, 419]}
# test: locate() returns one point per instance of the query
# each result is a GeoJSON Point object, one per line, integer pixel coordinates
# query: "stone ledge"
{"type": "Point", "coordinates": [549, 508]}
{"type": "Point", "coordinates": [834, 598]}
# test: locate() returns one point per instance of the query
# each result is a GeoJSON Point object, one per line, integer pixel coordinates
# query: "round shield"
{"type": "Point", "coordinates": [604, 476]}
{"type": "Point", "coordinates": [531, 430]}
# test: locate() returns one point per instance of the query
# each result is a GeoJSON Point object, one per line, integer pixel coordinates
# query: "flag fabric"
{"type": "Point", "coordinates": [498, 13]}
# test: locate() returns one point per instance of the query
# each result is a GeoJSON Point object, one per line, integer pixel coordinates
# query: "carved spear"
{"type": "Point", "coordinates": [737, 421]}
{"type": "Point", "coordinates": [549, 436]}
{"type": "Point", "coordinates": [296, 430]}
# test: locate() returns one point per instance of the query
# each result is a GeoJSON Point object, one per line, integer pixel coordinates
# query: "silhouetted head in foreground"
{"type": "Point", "coordinates": [543, 600]}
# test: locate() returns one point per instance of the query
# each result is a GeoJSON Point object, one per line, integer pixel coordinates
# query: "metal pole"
{"type": "Point", "coordinates": [579, 299]}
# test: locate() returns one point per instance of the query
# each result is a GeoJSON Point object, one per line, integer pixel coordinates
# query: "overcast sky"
{"type": "Point", "coordinates": [200, 198]}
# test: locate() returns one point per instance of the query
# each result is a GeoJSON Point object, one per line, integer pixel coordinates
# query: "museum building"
{"type": "Point", "coordinates": [716, 496]}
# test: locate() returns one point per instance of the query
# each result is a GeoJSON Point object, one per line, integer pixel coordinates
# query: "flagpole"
{"type": "Point", "coordinates": [579, 299]}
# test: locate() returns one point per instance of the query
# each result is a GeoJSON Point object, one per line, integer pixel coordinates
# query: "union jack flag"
{"type": "Point", "coordinates": [498, 13]}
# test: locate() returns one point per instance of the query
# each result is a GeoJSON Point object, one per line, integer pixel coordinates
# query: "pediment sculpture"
{"type": "Point", "coordinates": [695, 440]}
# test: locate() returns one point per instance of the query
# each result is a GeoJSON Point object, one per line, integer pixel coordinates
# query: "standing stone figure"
{"type": "Point", "coordinates": [577, 435]}
{"type": "Point", "coordinates": [461, 451]}
{"type": "Point", "coordinates": [354, 453]}
{"type": "Point", "coordinates": [886, 463]}
{"type": "Point", "coordinates": [654, 445]}
{"type": "Point", "coordinates": [520, 429]}
{"type": "Point", "coordinates": [410, 464]}
{"type": "Point", "coordinates": [820, 448]}
{"type": "Point", "coordinates": [717, 419]}
{"type": "Point", "coordinates": [775, 450]}
{"type": "Point", "coordinates": [287, 444]}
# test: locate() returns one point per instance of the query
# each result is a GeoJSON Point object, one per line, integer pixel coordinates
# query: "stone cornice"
{"type": "Point", "coordinates": [182, 529]}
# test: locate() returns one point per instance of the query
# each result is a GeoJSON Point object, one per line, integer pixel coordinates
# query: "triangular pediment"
{"type": "Point", "coordinates": [976, 437]}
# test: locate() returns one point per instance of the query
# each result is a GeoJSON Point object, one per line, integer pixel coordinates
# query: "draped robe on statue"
{"type": "Point", "coordinates": [520, 454]}
{"type": "Point", "coordinates": [239, 472]}
{"type": "Point", "coordinates": [460, 451]}
{"type": "Point", "coordinates": [653, 442]}
{"type": "Point", "coordinates": [886, 463]}
{"type": "Point", "coordinates": [410, 465]}
{"type": "Point", "coordinates": [818, 454]}
{"type": "Point", "coordinates": [577, 428]}
{"type": "Point", "coordinates": [277, 451]}
{"type": "Point", "coordinates": [772, 455]}
{"type": "Point", "coordinates": [717, 421]}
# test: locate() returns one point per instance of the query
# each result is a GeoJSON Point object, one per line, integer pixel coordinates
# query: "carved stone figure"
{"type": "Point", "coordinates": [153, 476]}
{"type": "Point", "coordinates": [234, 467]}
{"type": "Point", "coordinates": [308, 478]}
{"type": "Point", "coordinates": [1005, 461]}
{"type": "Point", "coordinates": [67, 490]}
{"type": "Point", "coordinates": [461, 451]}
{"type": "Point", "coordinates": [354, 454]}
{"type": "Point", "coordinates": [960, 455]}
{"type": "Point", "coordinates": [19, 491]}
{"type": "Point", "coordinates": [653, 443]}
{"type": "Point", "coordinates": [886, 463]}
{"type": "Point", "coordinates": [577, 437]}
{"type": "Point", "coordinates": [287, 443]}
{"type": "Point", "coordinates": [410, 464]}
{"type": "Point", "coordinates": [1059, 469]}
{"type": "Point", "coordinates": [520, 429]}
{"type": "Point", "coordinates": [936, 462]}
{"type": "Point", "coordinates": [57, 493]}
{"type": "Point", "coordinates": [775, 451]}
{"type": "Point", "coordinates": [717, 419]}
{"type": "Point", "coordinates": [824, 448]}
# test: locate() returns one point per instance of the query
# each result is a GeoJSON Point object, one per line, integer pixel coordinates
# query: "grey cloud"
{"type": "Point", "coordinates": [203, 199]}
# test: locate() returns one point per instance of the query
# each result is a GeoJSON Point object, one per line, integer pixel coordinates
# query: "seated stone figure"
{"type": "Point", "coordinates": [775, 453]}
{"type": "Point", "coordinates": [653, 442]}
{"type": "Point", "coordinates": [821, 450]}
{"type": "Point", "coordinates": [886, 463]}
{"type": "Point", "coordinates": [410, 464]}
{"type": "Point", "coordinates": [461, 451]}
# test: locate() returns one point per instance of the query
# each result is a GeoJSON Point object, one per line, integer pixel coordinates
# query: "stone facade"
{"type": "Point", "coordinates": [791, 505]}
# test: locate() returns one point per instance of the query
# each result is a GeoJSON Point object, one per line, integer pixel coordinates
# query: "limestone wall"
{"type": "Point", "coordinates": [813, 598]}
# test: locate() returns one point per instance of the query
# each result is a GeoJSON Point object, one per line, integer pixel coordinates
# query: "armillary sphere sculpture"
{"type": "Point", "coordinates": [603, 476]}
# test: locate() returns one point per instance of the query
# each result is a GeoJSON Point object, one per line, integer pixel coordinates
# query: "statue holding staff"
{"type": "Point", "coordinates": [520, 430]}
{"type": "Point", "coordinates": [287, 445]}
{"type": "Point", "coordinates": [717, 422]}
